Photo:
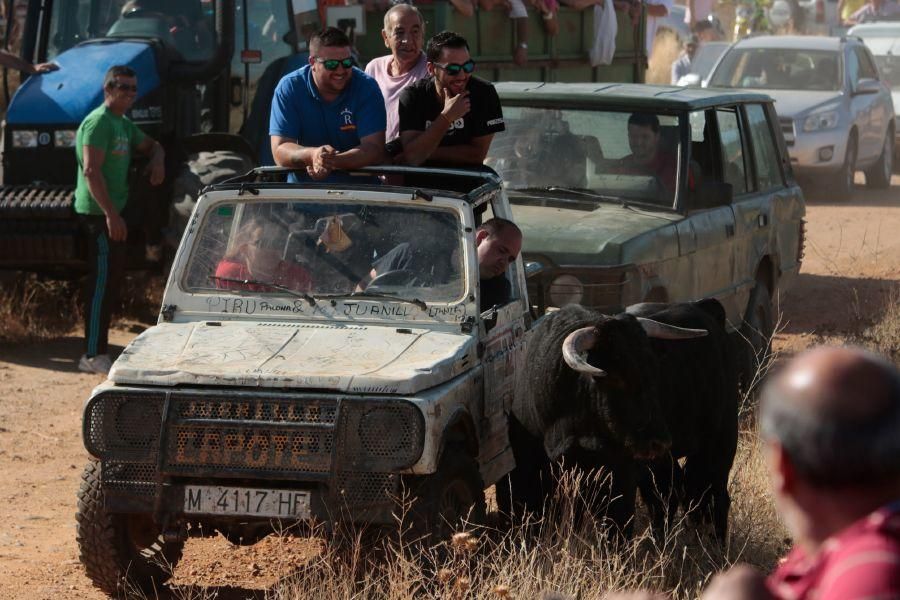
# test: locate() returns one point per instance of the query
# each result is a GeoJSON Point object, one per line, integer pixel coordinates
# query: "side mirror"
{"type": "Point", "coordinates": [867, 86]}
{"type": "Point", "coordinates": [711, 194]}
{"type": "Point", "coordinates": [533, 268]}
{"type": "Point", "coordinates": [690, 80]}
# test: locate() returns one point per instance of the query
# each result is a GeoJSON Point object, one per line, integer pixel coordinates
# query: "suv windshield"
{"type": "Point", "coordinates": [316, 249]}
{"type": "Point", "coordinates": [625, 155]}
{"type": "Point", "coordinates": [779, 69]}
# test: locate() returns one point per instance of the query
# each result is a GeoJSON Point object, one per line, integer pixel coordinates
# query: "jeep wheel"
{"type": "Point", "coordinates": [844, 184]}
{"type": "Point", "coordinates": [879, 175]}
{"type": "Point", "coordinates": [453, 494]}
{"type": "Point", "coordinates": [755, 338]}
{"type": "Point", "coordinates": [202, 169]}
{"type": "Point", "coordinates": [119, 551]}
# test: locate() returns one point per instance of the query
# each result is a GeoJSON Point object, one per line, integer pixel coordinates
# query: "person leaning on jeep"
{"type": "Point", "coordinates": [497, 243]}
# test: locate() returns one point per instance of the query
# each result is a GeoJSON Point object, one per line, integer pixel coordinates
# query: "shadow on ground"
{"type": "Point", "coordinates": [825, 304]}
{"type": "Point", "coordinates": [60, 354]}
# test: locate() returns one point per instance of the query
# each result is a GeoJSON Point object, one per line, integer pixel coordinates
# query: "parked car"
{"type": "Point", "coordinates": [883, 40]}
{"type": "Point", "coordinates": [834, 108]}
{"type": "Point", "coordinates": [273, 389]}
{"type": "Point", "coordinates": [708, 53]}
{"type": "Point", "coordinates": [717, 215]}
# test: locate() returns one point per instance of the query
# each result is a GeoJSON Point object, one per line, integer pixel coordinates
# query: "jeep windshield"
{"type": "Point", "coordinates": [589, 155]}
{"type": "Point", "coordinates": [321, 252]}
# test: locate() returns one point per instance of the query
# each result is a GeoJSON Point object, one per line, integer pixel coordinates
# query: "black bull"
{"type": "Point", "coordinates": [618, 393]}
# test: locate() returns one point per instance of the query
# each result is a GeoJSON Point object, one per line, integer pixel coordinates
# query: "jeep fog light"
{"type": "Point", "coordinates": [25, 138]}
{"type": "Point", "coordinates": [566, 289]}
{"type": "Point", "coordinates": [826, 153]}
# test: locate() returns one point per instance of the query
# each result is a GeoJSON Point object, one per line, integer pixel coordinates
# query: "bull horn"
{"type": "Point", "coordinates": [663, 331]}
{"type": "Point", "coordinates": [575, 344]}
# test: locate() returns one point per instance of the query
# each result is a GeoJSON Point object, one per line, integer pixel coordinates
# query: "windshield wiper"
{"type": "Point", "coordinates": [569, 190]}
{"type": "Point", "coordinates": [268, 284]}
{"type": "Point", "coordinates": [375, 296]}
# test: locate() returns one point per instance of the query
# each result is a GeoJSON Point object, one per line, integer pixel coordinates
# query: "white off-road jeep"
{"type": "Point", "coordinates": [320, 349]}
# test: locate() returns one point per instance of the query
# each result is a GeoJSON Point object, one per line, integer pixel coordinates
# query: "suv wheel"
{"type": "Point", "coordinates": [879, 175]}
{"type": "Point", "coordinates": [114, 548]}
{"type": "Point", "coordinates": [844, 185]}
{"type": "Point", "coordinates": [451, 495]}
{"type": "Point", "coordinates": [755, 339]}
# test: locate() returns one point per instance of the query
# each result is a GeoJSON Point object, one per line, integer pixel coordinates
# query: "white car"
{"type": "Point", "coordinates": [834, 108]}
{"type": "Point", "coordinates": [883, 40]}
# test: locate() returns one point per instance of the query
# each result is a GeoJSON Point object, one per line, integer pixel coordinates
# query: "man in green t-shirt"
{"type": "Point", "coordinates": [103, 145]}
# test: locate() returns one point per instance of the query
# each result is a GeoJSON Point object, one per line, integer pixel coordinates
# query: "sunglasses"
{"type": "Point", "coordinates": [331, 64]}
{"type": "Point", "coordinates": [125, 87]}
{"type": "Point", "coordinates": [456, 68]}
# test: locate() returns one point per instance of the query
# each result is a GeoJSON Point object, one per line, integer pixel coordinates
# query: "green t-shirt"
{"type": "Point", "coordinates": [117, 137]}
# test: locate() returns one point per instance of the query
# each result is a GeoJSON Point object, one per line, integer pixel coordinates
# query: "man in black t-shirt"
{"type": "Point", "coordinates": [450, 117]}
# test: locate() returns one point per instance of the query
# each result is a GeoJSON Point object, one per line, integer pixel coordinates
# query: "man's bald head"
{"type": "Point", "coordinates": [836, 413]}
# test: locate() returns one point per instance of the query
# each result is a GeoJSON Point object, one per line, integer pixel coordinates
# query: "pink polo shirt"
{"type": "Point", "coordinates": [392, 86]}
{"type": "Point", "coordinates": [862, 561]}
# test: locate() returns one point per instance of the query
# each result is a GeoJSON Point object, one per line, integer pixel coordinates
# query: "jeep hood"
{"type": "Point", "coordinates": [345, 358]}
{"type": "Point", "coordinates": [577, 237]}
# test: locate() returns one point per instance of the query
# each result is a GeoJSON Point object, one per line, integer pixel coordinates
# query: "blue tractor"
{"type": "Point", "coordinates": [206, 71]}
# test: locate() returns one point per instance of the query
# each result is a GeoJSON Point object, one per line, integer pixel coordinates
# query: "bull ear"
{"type": "Point", "coordinates": [575, 345]}
{"type": "Point", "coordinates": [663, 331]}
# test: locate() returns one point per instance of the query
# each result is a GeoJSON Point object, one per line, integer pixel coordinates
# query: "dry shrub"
{"type": "Point", "coordinates": [33, 309]}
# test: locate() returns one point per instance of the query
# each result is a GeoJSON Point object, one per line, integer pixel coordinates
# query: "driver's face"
{"type": "Point", "coordinates": [643, 142]}
{"type": "Point", "coordinates": [495, 252]}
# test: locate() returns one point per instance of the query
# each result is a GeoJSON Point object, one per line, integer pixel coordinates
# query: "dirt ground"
{"type": "Point", "coordinates": [852, 261]}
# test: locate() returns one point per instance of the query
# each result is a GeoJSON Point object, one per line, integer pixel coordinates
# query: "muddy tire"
{"type": "Point", "coordinates": [453, 495]}
{"type": "Point", "coordinates": [120, 552]}
{"type": "Point", "coordinates": [202, 169]}
{"type": "Point", "coordinates": [754, 344]}
{"type": "Point", "coordinates": [879, 175]}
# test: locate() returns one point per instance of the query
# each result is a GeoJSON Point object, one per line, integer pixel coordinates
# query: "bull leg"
{"type": "Point", "coordinates": [661, 489]}
{"type": "Point", "coordinates": [526, 488]}
{"type": "Point", "coordinates": [706, 491]}
{"type": "Point", "coordinates": [619, 504]}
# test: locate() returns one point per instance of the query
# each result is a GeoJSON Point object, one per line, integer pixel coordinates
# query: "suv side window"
{"type": "Point", "coordinates": [867, 69]}
{"type": "Point", "coordinates": [765, 151]}
{"type": "Point", "coordinates": [734, 162]}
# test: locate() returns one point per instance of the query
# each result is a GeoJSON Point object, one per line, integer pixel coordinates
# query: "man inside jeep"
{"type": "Point", "coordinates": [647, 156]}
{"type": "Point", "coordinates": [498, 243]}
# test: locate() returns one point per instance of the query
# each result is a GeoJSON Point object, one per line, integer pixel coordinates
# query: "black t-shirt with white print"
{"type": "Point", "coordinates": [420, 105]}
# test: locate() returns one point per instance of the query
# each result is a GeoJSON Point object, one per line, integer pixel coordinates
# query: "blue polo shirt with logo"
{"type": "Point", "coordinates": [300, 113]}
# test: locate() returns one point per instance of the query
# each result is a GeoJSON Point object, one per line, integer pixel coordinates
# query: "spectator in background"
{"type": "Point", "coordinates": [874, 10]}
{"type": "Point", "coordinates": [846, 8]}
{"type": "Point", "coordinates": [697, 11]}
{"type": "Point", "coordinates": [450, 117]}
{"type": "Point", "coordinates": [404, 35]}
{"type": "Point", "coordinates": [11, 61]}
{"type": "Point", "coordinates": [682, 65]}
{"type": "Point", "coordinates": [657, 10]}
{"type": "Point", "coordinates": [327, 115]}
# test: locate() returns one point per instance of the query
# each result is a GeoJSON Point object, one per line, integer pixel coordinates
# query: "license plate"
{"type": "Point", "coordinates": [253, 502]}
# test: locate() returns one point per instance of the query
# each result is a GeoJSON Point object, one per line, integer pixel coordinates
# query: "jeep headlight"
{"type": "Point", "coordinates": [64, 138]}
{"type": "Point", "coordinates": [566, 289]}
{"type": "Point", "coordinates": [820, 121]}
{"type": "Point", "coordinates": [25, 138]}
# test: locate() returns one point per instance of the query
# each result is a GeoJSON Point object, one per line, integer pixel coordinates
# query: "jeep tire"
{"type": "Point", "coordinates": [113, 547]}
{"type": "Point", "coordinates": [446, 498]}
{"type": "Point", "coordinates": [200, 170]}
{"type": "Point", "coordinates": [754, 342]}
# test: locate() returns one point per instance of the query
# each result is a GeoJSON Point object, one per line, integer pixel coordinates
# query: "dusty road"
{"type": "Point", "coordinates": [852, 261]}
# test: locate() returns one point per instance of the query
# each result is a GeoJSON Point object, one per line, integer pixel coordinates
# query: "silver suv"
{"type": "Point", "coordinates": [833, 106]}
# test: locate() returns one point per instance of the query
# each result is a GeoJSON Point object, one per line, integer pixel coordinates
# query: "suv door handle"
{"type": "Point", "coordinates": [729, 230]}
{"type": "Point", "coordinates": [762, 219]}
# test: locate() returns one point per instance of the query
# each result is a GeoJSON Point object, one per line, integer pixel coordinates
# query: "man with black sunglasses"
{"type": "Point", "coordinates": [104, 144]}
{"type": "Point", "coordinates": [327, 115]}
{"type": "Point", "coordinates": [451, 117]}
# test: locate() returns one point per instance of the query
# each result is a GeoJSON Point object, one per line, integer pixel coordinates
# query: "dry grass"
{"type": "Point", "coordinates": [34, 309]}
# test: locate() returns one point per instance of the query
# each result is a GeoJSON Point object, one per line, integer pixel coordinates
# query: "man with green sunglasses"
{"type": "Point", "coordinates": [451, 117]}
{"type": "Point", "coordinates": [328, 115]}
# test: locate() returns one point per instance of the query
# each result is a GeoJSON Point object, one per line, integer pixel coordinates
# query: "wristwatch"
{"type": "Point", "coordinates": [523, 45]}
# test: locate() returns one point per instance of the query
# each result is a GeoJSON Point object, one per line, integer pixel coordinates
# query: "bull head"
{"type": "Point", "coordinates": [582, 340]}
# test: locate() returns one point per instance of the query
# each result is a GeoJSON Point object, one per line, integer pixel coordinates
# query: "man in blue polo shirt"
{"type": "Point", "coordinates": [327, 115]}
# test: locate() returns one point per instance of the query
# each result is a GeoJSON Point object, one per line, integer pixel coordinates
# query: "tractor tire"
{"type": "Point", "coordinates": [452, 494]}
{"type": "Point", "coordinates": [755, 339]}
{"type": "Point", "coordinates": [201, 169]}
{"type": "Point", "coordinates": [120, 551]}
{"type": "Point", "coordinates": [879, 175]}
